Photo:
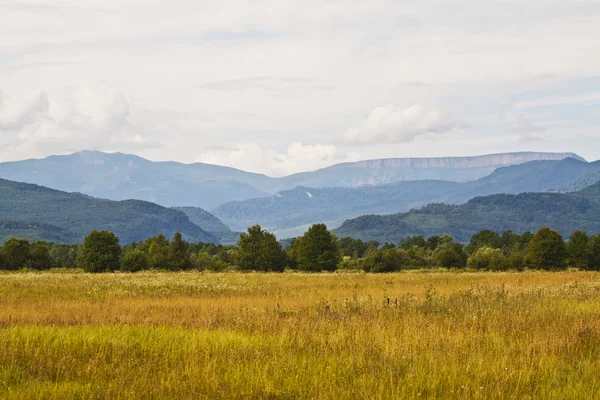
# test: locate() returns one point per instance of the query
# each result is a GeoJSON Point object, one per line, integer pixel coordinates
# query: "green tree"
{"type": "Point", "coordinates": [594, 251]}
{"type": "Point", "coordinates": [158, 252]}
{"type": "Point", "coordinates": [547, 250]}
{"type": "Point", "coordinates": [578, 250]}
{"type": "Point", "coordinates": [450, 258]}
{"type": "Point", "coordinates": [179, 254]}
{"type": "Point", "coordinates": [134, 261]}
{"type": "Point", "coordinates": [100, 252]}
{"type": "Point", "coordinates": [412, 241]}
{"type": "Point", "coordinates": [259, 251]}
{"type": "Point", "coordinates": [39, 256]}
{"type": "Point", "coordinates": [317, 250]}
{"type": "Point", "coordinates": [16, 253]}
{"type": "Point", "coordinates": [488, 258]}
{"type": "Point", "coordinates": [385, 260]}
{"type": "Point", "coordinates": [485, 238]}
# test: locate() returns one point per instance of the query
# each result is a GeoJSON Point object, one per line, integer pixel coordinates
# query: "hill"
{"type": "Point", "coordinates": [211, 224]}
{"type": "Point", "coordinates": [289, 212]}
{"type": "Point", "coordinates": [117, 176]}
{"type": "Point", "coordinates": [518, 213]}
{"type": "Point", "coordinates": [40, 213]}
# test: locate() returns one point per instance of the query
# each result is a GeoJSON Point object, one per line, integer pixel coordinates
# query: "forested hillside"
{"type": "Point", "coordinates": [40, 213]}
{"type": "Point", "coordinates": [518, 213]}
{"type": "Point", "coordinates": [211, 224]}
{"type": "Point", "coordinates": [289, 212]}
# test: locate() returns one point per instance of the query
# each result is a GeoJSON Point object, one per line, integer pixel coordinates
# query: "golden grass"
{"type": "Point", "coordinates": [329, 336]}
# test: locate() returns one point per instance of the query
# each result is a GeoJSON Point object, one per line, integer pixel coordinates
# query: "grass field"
{"type": "Point", "coordinates": [331, 336]}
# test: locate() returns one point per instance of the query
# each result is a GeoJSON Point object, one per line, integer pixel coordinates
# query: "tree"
{"type": "Point", "coordinates": [579, 250]}
{"type": "Point", "coordinates": [259, 251]}
{"type": "Point", "coordinates": [485, 238]}
{"type": "Point", "coordinates": [134, 261]}
{"type": "Point", "coordinates": [594, 251]}
{"type": "Point", "coordinates": [158, 252]}
{"type": "Point", "coordinates": [547, 250]}
{"type": "Point", "coordinates": [317, 250]}
{"type": "Point", "coordinates": [16, 253]}
{"type": "Point", "coordinates": [100, 252]}
{"type": "Point", "coordinates": [488, 258]}
{"type": "Point", "coordinates": [450, 258]}
{"type": "Point", "coordinates": [412, 241]}
{"type": "Point", "coordinates": [385, 260]}
{"type": "Point", "coordinates": [39, 256]}
{"type": "Point", "coordinates": [179, 255]}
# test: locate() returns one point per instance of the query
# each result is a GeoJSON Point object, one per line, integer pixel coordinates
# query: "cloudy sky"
{"type": "Point", "coordinates": [278, 86]}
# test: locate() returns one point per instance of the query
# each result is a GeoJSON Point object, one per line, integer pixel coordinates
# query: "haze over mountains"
{"type": "Point", "coordinates": [290, 212]}
{"type": "Point", "coordinates": [287, 206]}
{"type": "Point", "coordinates": [118, 176]}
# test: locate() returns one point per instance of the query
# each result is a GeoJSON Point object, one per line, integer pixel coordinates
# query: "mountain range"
{"type": "Point", "coordinates": [169, 196]}
{"type": "Point", "coordinates": [564, 212]}
{"type": "Point", "coordinates": [118, 176]}
{"type": "Point", "coordinates": [289, 212]}
{"type": "Point", "coordinates": [39, 213]}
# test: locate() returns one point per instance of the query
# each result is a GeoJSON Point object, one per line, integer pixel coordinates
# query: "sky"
{"type": "Point", "coordinates": [278, 86]}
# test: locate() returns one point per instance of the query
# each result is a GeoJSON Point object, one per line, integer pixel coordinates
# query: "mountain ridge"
{"type": "Point", "coordinates": [120, 176]}
{"type": "Point", "coordinates": [49, 214]}
{"type": "Point", "coordinates": [498, 212]}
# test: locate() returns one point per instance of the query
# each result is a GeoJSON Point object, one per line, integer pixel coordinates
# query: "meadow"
{"type": "Point", "coordinates": [194, 335]}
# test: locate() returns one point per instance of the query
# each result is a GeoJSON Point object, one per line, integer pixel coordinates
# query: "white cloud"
{"type": "Point", "coordinates": [297, 157]}
{"type": "Point", "coordinates": [528, 130]}
{"type": "Point", "coordinates": [16, 115]}
{"type": "Point", "coordinates": [92, 117]}
{"type": "Point", "coordinates": [273, 72]}
{"type": "Point", "coordinates": [393, 124]}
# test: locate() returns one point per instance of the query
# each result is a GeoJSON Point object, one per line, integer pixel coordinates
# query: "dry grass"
{"type": "Point", "coordinates": [330, 336]}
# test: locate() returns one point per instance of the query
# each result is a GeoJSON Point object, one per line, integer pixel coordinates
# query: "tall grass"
{"type": "Point", "coordinates": [330, 336]}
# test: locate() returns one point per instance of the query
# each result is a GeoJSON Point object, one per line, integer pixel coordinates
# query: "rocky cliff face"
{"type": "Point", "coordinates": [491, 160]}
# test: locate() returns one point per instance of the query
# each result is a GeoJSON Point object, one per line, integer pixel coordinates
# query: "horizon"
{"type": "Point", "coordinates": [278, 87]}
{"type": "Point", "coordinates": [303, 171]}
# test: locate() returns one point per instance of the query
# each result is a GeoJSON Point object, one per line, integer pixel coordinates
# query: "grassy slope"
{"type": "Point", "coordinates": [329, 336]}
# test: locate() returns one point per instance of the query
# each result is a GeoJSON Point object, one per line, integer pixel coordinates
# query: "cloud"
{"type": "Point", "coordinates": [16, 115]}
{"type": "Point", "coordinates": [297, 157]}
{"type": "Point", "coordinates": [393, 124]}
{"type": "Point", "coordinates": [86, 117]}
{"type": "Point", "coordinates": [273, 72]}
{"type": "Point", "coordinates": [266, 83]}
{"type": "Point", "coordinates": [528, 129]}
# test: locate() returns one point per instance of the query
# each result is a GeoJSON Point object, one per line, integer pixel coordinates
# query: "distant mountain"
{"type": "Point", "coordinates": [40, 213]}
{"type": "Point", "coordinates": [204, 219]}
{"type": "Point", "coordinates": [117, 176]}
{"type": "Point", "coordinates": [519, 213]}
{"type": "Point", "coordinates": [456, 169]}
{"type": "Point", "coordinates": [289, 213]}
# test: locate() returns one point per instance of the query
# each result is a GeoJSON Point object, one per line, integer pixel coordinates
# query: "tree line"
{"type": "Point", "coordinates": [317, 250]}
